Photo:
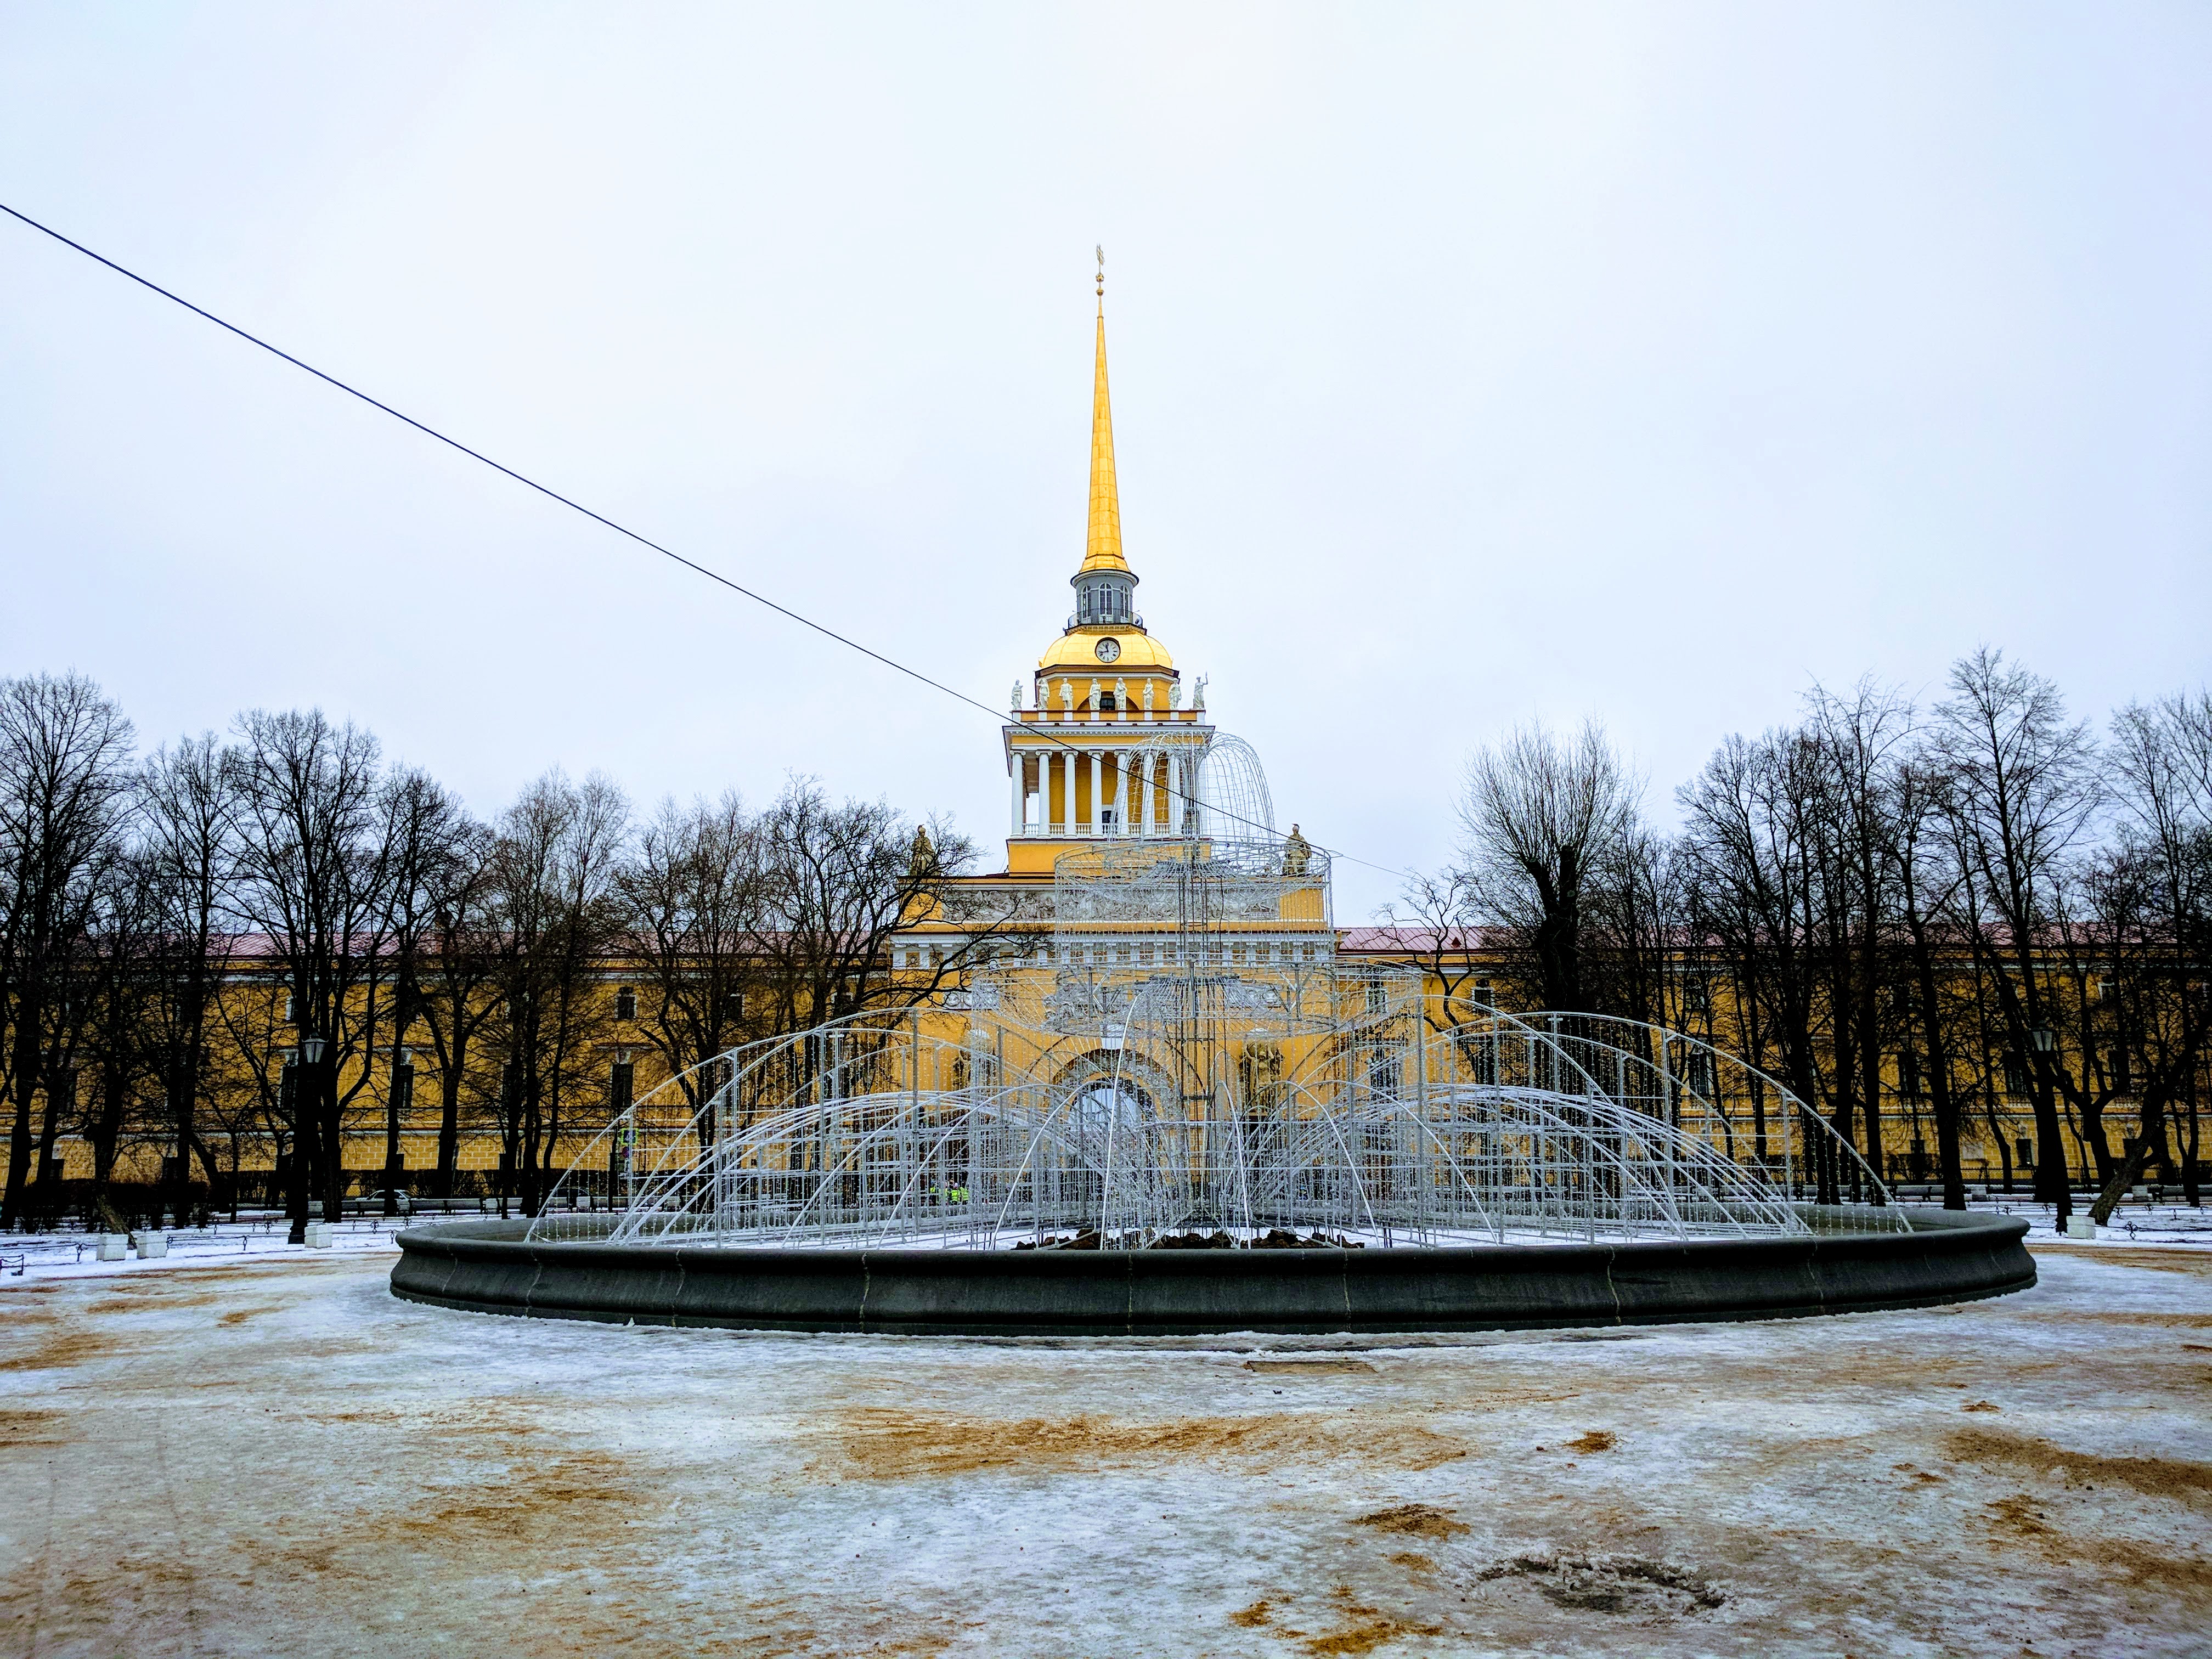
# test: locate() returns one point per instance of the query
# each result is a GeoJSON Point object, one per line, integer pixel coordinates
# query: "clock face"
{"type": "Point", "coordinates": [1109, 650]}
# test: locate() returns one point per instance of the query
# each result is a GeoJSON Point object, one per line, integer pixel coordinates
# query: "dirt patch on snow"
{"type": "Point", "coordinates": [152, 1298]}
{"type": "Point", "coordinates": [580, 1493]}
{"type": "Point", "coordinates": [1362, 1628]}
{"type": "Point", "coordinates": [885, 1444]}
{"type": "Point", "coordinates": [2155, 1477]}
{"type": "Point", "coordinates": [1609, 1584]}
{"type": "Point", "coordinates": [1293, 1367]}
{"type": "Point", "coordinates": [1414, 1520]}
{"type": "Point", "coordinates": [2022, 1519]}
{"type": "Point", "coordinates": [1596, 1440]}
{"type": "Point", "coordinates": [30, 1428]}
{"type": "Point", "coordinates": [58, 1350]}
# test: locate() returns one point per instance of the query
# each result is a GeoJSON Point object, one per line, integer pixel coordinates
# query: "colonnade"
{"type": "Point", "coordinates": [1116, 775]}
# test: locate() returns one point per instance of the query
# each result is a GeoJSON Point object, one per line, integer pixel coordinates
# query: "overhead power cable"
{"type": "Point", "coordinates": [546, 491]}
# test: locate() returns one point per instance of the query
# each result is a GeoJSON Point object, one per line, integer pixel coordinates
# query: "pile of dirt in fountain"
{"type": "Point", "coordinates": [1275, 1238]}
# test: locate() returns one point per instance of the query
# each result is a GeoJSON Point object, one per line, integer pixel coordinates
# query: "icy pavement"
{"type": "Point", "coordinates": [274, 1456]}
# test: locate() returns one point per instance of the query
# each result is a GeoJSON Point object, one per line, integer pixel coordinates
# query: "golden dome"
{"type": "Point", "coordinates": [1076, 651]}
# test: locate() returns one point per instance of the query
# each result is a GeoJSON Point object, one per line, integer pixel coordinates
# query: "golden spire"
{"type": "Point", "coordinates": [1102, 546]}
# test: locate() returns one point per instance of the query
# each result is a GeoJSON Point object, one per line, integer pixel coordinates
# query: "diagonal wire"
{"type": "Point", "coordinates": [692, 565]}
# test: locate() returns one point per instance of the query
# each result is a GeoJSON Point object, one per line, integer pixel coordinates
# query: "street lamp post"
{"type": "Point", "coordinates": [306, 1107]}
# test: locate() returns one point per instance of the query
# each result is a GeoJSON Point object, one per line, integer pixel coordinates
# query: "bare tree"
{"type": "Point", "coordinates": [188, 844]}
{"type": "Point", "coordinates": [453, 985]}
{"type": "Point", "coordinates": [313, 865]}
{"type": "Point", "coordinates": [1749, 852]}
{"type": "Point", "coordinates": [429, 837]}
{"type": "Point", "coordinates": [1438, 918]}
{"type": "Point", "coordinates": [2024, 788]}
{"type": "Point", "coordinates": [102, 1057]}
{"type": "Point", "coordinates": [554, 867]}
{"type": "Point", "coordinates": [2154, 922]}
{"type": "Point", "coordinates": [693, 905]}
{"type": "Point", "coordinates": [838, 881]}
{"type": "Point", "coordinates": [1858, 742]}
{"type": "Point", "coordinates": [64, 754]}
{"type": "Point", "coordinates": [1540, 817]}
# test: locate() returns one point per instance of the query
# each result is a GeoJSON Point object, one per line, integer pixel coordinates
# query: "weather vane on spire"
{"type": "Point", "coordinates": [1100, 250]}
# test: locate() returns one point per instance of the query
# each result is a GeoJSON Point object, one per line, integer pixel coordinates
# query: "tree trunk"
{"type": "Point", "coordinates": [25, 1078]}
{"type": "Point", "coordinates": [2131, 1167]}
{"type": "Point", "coordinates": [2053, 1185]}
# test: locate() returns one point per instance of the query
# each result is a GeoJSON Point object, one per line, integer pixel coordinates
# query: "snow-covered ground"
{"type": "Point", "coordinates": [224, 1243]}
{"type": "Point", "coordinates": [257, 1454]}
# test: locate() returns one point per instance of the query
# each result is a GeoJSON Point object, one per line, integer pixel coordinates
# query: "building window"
{"type": "Point", "coordinates": [2015, 1075]}
{"type": "Point", "coordinates": [1697, 1074]}
{"type": "Point", "coordinates": [626, 1002]}
{"type": "Point", "coordinates": [621, 1084]}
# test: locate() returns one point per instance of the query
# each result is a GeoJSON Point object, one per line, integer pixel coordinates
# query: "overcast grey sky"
{"type": "Point", "coordinates": [1471, 365]}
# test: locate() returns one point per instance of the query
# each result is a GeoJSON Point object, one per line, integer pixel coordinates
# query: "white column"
{"type": "Point", "coordinates": [1021, 764]}
{"type": "Point", "coordinates": [1144, 825]}
{"type": "Point", "coordinates": [1122, 791]}
{"type": "Point", "coordinates": [1097, 784]}
{"type": "Point", "coordinates": [1046, 802]}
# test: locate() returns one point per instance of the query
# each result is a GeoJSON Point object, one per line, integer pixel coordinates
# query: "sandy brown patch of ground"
{"type": "Point", "coordinates": [136, 1300]}
{"type": "Point", "coordinates": [57, 1350]}
{"type": "Point", "coordinates": [2024, 1518]}
{"type": "Point", "coordinates": [887, 1444]}
{"type": "Point", "coordinates": [1361, 1627]}
{"type": "Point", "coordinates": [30, 1427]}
{"type": "Point", "coordinates": [1596, 1440]}
{"type": "Point", "coordinates": [579, 1493]}
{"type": "Point", "coordinates": [1414, 1520]}
{"type": "Point", "coordinates": [1293, 1367]}
{"type": "Point", "coordinates": [2155, 1477]}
